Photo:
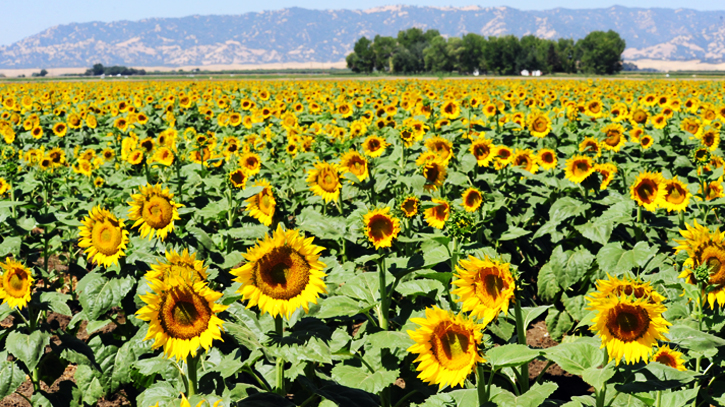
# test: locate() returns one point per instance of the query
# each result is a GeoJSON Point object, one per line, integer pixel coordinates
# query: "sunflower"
{"type": "Point", "coordinates": [710, 139]}
{"type": "Point", "coordinates": [638, 116]}
{"type": "Point", "coordinates": [578, 168]}
{"type": "Point", "coordinates": [592, 146]}
{"type": "Point", "coordinates": [409, 206]}
{"type": "Point", "coordinates": [178, 269]}
{"type": "Point", "coordinates": [324, 180]}
{"type": "Point", "coordinates": [374, 146]}
{"type": "Point", "coordinates": [594, 109]}
{"type": "Point", "coordinates": [4, 186]}
{"type": "Point", "coordinates": [450, 110]}
{"type": "Point", "coordinates": [471, 199]}
{"type": "Point", "coordinates": [614, 137]}
{"type": "Point", "coordinates": [485, 287]}
{"type": "Point", "coordinates": [714, 189]}
{"type": "Point", "coordinates": [547, 158]}
{"type": "Point", "coordinates": [380, 227]}
{"type": "Point", "coordinates": [646, 141]}
{"type": "Point", "coordinates": [355, 163]}
{"type": "Point", "coordinates": [709, 252]}
{"type": "Point", "coordinates": [442, 148]}
{"type": "Point", "coordinates": [483, 150]}
{"type": "Point", "coordinates": [261, 206]}
{"type": "Point", "coordinates": [250, 163]}
{"type": "Point", "coordinates": [526, 160]}
{"type": "Point", "coordinates": [648, 190]}
{"type": "Point", "coordinates": [677, 196]}
{"type": "Point", "coordinates": [15, 283]}
{"type": "Point", "coordinates": [238, 178]}
{"type": "Point", "coordinates": [104, 237]}
{"type": "Point", "coordinates": [164, 156]}
{"type": "Point", "coordinates": [607, 171]}
{"type": "Point", "coordinates": [692, 126]}
{"type": "Point", "coordinates": [629, 327]}
{"type": "Point", "coordinates": [615, 287]}
{"type": "Point", "coordinates": [539, 125]}
{"type": "Point", "coordinates": [447, 347]}
{"type": "Point", "coordinates": [438, 215]}
{"type": "Point", "coordinates": [282, 273]}
{"type": "Point", "coordinates": [154, 211]}
{"type": "Point", "coordinates": [434, 173]}
{"type": "Point", "coordinates": [659, 121]}
{"type": "Point", "coordinates": [694, 235]}
{"type": "Point", "coordinates": [135, 157]}
{"type": "Point", "coordinates": [60, 129]}
{"type": "Point", "coordinates": [669, 357]}
{"type": "Point", "coordinates": [181, 317]}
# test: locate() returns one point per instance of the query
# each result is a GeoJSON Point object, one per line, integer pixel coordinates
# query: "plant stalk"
{"type": "Point", "coordinates": [521, 334]}
{"type": "Point", "coordinates": [278, 327]}
{"type": "Point", "coordinates": [191, 367]}
{"type": "Point", "coordinates": [383, 309]}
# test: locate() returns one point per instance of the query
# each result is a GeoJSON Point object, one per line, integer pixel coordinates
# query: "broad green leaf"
{"type": "Point", "coordinates": [529, 314]}
{"type": "Point", "coordinates": [693, 339]}
{"type": "Point", "coordinates": [510, 355]}
{"type": "Point", "coordinates": [11, 377]}
{"type": "Point", "coordinates": [576, 357]}
{"type": "Point", "coordinates": [536, 396]}
{"type": "Point", "coordinates": [214, 209]}
{"type": "Point", "coordinates": [89, 384]}
{"type": "Point", "coordinates": [99, 293]}
{"type": "Point", "coordinates": [598, 377]}
{"type": "Point", "coordinates": [161, 393]}
{"type": "Point", "coordinates": [574, 268]}
{"type": "Point", "coordinates": [28, 348]}
{"type": "Point", "coordinates": [364, 287]}
{"type": "Point", "coordinates": [361, 378]}
{"type": "Point", "coordinates": [338, 306]}
{"type": "Point", "coordinates": [244, 336]}
{"type": "Point", "coordinates": [390, 340]}
{"type": "Point", "coordinates": [202, 237]}
{"type": "Point", "coordinates": [657, 377]}
{"type": "Point", "coordinates": [57, 302]}
{"type": "Point", "coordinates": [514, 232]}
{"type": "Point", "coordinates": [598, 232]}
{"type": "Point", "coordinates": [558, 323]}
{"type": "Point", "coordinates": [548, 286]}
{"type": "Point", "coordinates": [321, 226]}
{"type": "Point", "coordinates": [678, 398]}
{"type": "Point", "coordinates": [613, 259]}
{"type": "Point", "coordinates": [419, 287]}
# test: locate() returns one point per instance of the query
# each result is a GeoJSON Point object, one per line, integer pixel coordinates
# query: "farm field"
{"type": "Point", "coordinates": [362, 243]}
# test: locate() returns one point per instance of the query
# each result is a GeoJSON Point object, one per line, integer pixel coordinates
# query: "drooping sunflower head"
{"type": "Point", "coordinates": [677, 196]}
{"type": "Point", "coordinates": [178, 268]}
{"type": "Point", "coordinates": [485, 287]}
{"type": "Point", "coordinates": [16, 283]}
{"type": "Point", "coordinates": [629, 327]}
{"type": "Point", "coordinates": [437, 216]}
{"type": "Point", "coordinates": [354, 163]}
{"type": "Point", "coordinates": [578, 168]}
{"type": "Point", "coordinates": [614, 137]}
{"type": "Point", "coordinates": [648, 190]}
{"type": "Point", "coordinates": [324, 181]}
{"type": "Point", "coordinates": [434, 173]}
{"type": "Point", "coordinates": [181, 317]}
{"type": "Point", "coordinates": [669, 357]}
{"type": "Point", "coordinates": [471, 199]}
{"type": "Point", "coordinates": [447, 347]}
{"type": "Point", "coordinates": [154, 211]}
{"type": "Point", "coordinates": [104, 236]}
{"type": "Point", "coordinates": [282, 273]}
{"type": "Point", "coordinates": [607, 171]}
{"type": "Point", "coordinates": [374, 146]}
{"type": "Point", "coordinates": [381, 227]}
{"type": "Point", "coordinates": [547, 158]}
{"type": "Point", "coordinates": [262, 205]}
{"type": "Point", "coordinates": [409, 206]}
{"type": "Point", "coordinates": [483, 150]}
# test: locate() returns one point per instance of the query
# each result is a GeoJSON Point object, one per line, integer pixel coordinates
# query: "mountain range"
{"type": "Point", "coordinates": [302, 35]}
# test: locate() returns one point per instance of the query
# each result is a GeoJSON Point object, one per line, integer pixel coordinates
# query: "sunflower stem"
{"type": "Point", "coordinates": [658, 401]}
{"type": "Point", "coordinates": [191, 365]}
{"type": "Point", "coordinates": [521, 334]}
{"type": "Point", "coordinates": [481, 385]}
{"type": "Point", "coordinates": [279, 329]}
{"type": "Point", "coordinates": [383, 307]}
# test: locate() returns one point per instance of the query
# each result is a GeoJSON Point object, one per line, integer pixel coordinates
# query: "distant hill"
{"type": "Point", "coordinates": [301, 35]}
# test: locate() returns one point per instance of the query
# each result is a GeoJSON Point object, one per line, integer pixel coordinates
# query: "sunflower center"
{"type": "Point", "coordinates": [523, 162]}
{"type": "Point", "coordinates": [481, 152]}
{"type": "Point", "coordinates": [717, 271]}
{"type": "Point", "coordinates": [16, 283]}
{"type": "Point", "coordinates": [282, 274]}
{"type": "Point", "coordinates": [472, 199]}
{"type": "Point", "coordinates": [237, 178]}
{"type": "Point", "coordinates": [451, 346]}
{"type": "Point", "coordinates": [675, 194]}
{"type": "Point", "coordinates": [157, 212]}
{"type": "Point", "coordinates": [328, 181]}
{"type": "Point", "coordinates": [646, 191]}
{"type": "Point", "coordinates": [613, 138]}
{"type": "Point", "coordinates": [628, 322]}
{"type": "Point", "coordinates": [539, 124]}
{"type": "Point", "coordinates": [548, 158]}
{"type": "Point", "coordinates": [493, 285]}
{"type": "Point", "coordinates": [184, 314]}
{"type": "Point", "coordinates": [431, 173]}
{"type": "Point", "coordinates": [409, 207]}
{"type": "Point", "coordinates": [380, 227]}
{"type": "Point", "coordinates": [667, 359]}
{"type": "Point", "coordinates": [106, 237]}
{"type": "Point", "coordinates": [265, 203]}
{"type": "Point", "coordinates": [373, 145]}
{"type": "Point", "coordinates": [581, 168]}
{"type": "Point", "coordinates": [639, 116]}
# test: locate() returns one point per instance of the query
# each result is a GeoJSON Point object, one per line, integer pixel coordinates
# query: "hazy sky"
{"type": "Point", "coordinates": [20, 19]}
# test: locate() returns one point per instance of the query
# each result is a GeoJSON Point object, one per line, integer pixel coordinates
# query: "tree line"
{"type": "Point", "coordinates": [416, 51]}
{"type": "Point", "coordinates": [99, 69]}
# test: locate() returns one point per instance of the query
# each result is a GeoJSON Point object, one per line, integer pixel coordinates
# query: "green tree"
{"type": "Point", "coordinates": [471, 53]}
{"type": "Point", "coordinates": [409, 54]}
{"type": "Point", "coordinates": [601, 52]}
{"type": "Point", "coordinates": [442, 55]}
{"type": "Point", "coordinates": [362, 58]}
{"type": "Point", "coordinates": [566, 56]}
{"type": "Point", "coordinates": [501, 54]}
{"type": "Point", "coordinates": [383, 48]}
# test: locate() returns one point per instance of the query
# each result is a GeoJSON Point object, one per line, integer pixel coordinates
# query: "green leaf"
{"type": "Point", "coordinates": [202, 237]}
{"type": "Point", "coordinates": [693, 339]}
{"type": "Point", "coordinates": [613, 259]}
{"type": "Point", "coordinates": [214, 209]}
{"type": "Point", "coordinates": [11, 245]}
{"type": "Point", "coordinates": [455, 398]}
{"type": "Point", "coordinates": [510, 355]}
{"type": "Point", "coordinates": [364, 287]}
{"type": "Point", "coordinates": [598, 232]}
{"type": "Point", "coordinates": [323, 227]}
{"type": "Point", "coordinates": [419, 287]}
{"type": "Point", "coordinates": [338, 306]}
{"type": "Point", "coordinates": [11, 377]}
{"type": "Point", "coordinates": [576, 357]}
{"type": "Point", "coordinates": [249, 192]}
{"type": "Point", "coordinates": [361, 378]}
{"type": "Point", "coordinates": [514, 232]}
{"type": "Point", "coordinates": [529, 314]}
{"type": "Point", "coordinates": [598, 377]}
{"type": "Point", "coordinates": [657, 377]}
{"type": "Point", "coordinates": [548, 286]}
{"type": "Point", "coordinates": [534, 397]}
{"type": "Point", "coordinates": [558, 323]}
{"type": "Point", "coordinates": [98, 293]}
{"type": "Point", "coordinates": [244, 336]}
{"type": "Point", "coordinates": [28, 348]}
{"type": "Point", "coordinates": [575, 268]}
{"type": "Point", "coordinates": [161, 393]}
{"type": "Point", "coordinates": [57, 302]}
{"type": "Point", "coordinates": [390, 340]}
{"type": "Point", "coordinates": [89, 385]}
{"type": "Point", "coordinates": [561, 210]}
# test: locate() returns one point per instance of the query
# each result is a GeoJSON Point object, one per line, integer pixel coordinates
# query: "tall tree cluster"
{"type": "Point", "coordinates": [415, 51]}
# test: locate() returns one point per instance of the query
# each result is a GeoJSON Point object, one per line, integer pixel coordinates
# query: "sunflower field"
{"type": "Point", "coordinates": [362, 243]}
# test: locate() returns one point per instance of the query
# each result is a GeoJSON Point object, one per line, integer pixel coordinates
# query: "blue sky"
{"type": "Point", "coordinates": [20, 19]}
